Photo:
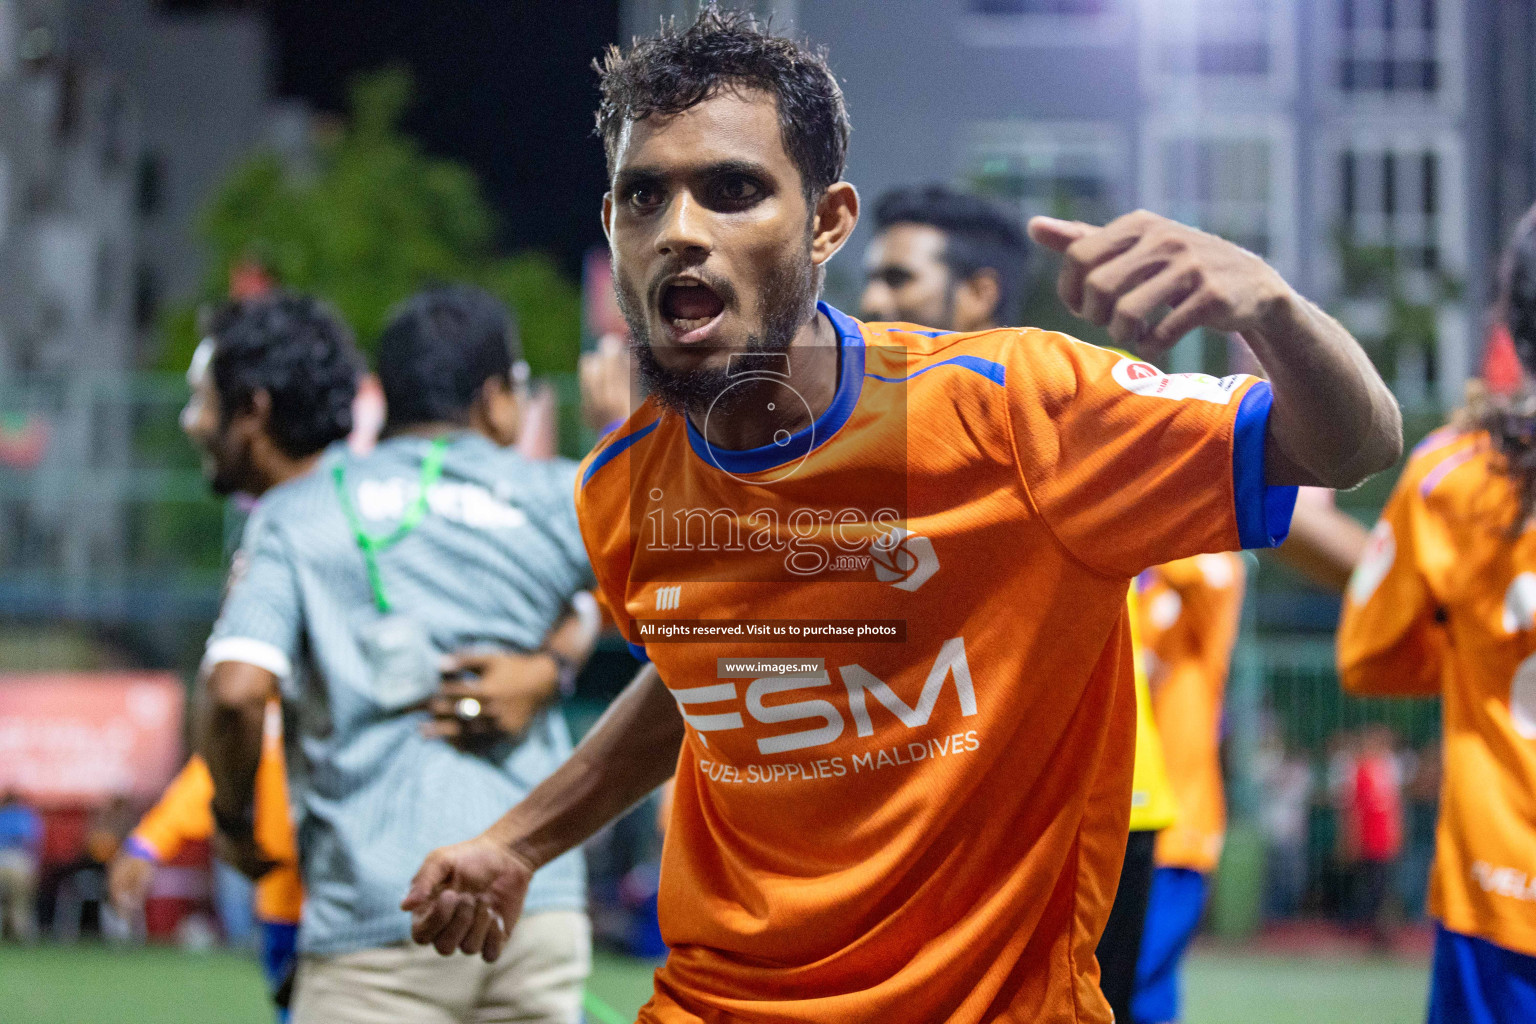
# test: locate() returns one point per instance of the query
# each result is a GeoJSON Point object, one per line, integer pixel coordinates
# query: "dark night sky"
{"type": "Point", "coordinates": [504, 86]}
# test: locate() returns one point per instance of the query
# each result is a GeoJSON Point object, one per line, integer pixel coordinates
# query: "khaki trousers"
{"type": "Point", "coordinates": [537, 979]}
{"type": "Point", "coordinates": [18, 895]}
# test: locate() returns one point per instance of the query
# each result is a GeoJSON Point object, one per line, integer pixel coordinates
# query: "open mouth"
{"type": "Point", "coordinates": [689, 306]}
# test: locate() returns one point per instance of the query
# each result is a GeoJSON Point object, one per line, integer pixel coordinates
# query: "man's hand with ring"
{"type": "Point", "coordinates": [491, 693]}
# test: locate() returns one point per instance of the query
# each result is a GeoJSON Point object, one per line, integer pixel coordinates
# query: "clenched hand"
{"type": "Point", "coordinates": [1118, 276]}
{"type": "Point", "coordinates": [468, 897]}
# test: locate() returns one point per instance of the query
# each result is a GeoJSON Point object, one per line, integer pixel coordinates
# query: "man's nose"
{"type": "Point", "coordinates": [685, 229]}
{"type": "Point", "coordinates": [188, 418]}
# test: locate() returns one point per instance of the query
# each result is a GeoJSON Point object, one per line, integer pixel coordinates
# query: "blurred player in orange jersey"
{"type": "Point", "coordinates": [184, 814]}
{"type": "Point", "coordinates": [922, 830]}
{"type": "Point", "coordinates": [1444, 602]}
{"type": "Point", "coordinates": [1190, 611]}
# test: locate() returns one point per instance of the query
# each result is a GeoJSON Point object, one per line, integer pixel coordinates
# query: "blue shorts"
{"type": "Point", "coordinates": [279, 957]}
{"type": "Point", "coordinates": [1475, 982]}
{"type": "Point", "coordinates": [1173, 914]}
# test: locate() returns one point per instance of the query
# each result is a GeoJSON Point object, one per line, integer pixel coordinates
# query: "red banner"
{"type": "Point", "coordinates": [85, 737]}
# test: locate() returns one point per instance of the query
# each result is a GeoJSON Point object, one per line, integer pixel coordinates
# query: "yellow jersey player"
{"type": "Point", "coordinates": [1190, 611]}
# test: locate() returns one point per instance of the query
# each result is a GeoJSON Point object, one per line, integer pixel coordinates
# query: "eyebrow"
{"type": "Point", "coordinates": [629, 177]}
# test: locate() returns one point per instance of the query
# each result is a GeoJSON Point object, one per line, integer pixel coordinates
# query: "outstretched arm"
{"type": "Point", "coordinates": [469, 896]}
{"type": "Point", "coordinates": [231, 712]}
{"type": "Point", "coordinates": [1333, 422]}
{"type": "Point", "coordinates": [1324, 544]}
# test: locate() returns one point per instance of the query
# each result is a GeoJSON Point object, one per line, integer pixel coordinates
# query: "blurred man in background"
{"type": "Point", "coordinates": [21, 848]}
{"type": "Point", "coordinates": [361, 578]}
{"type": "Point", "coordinates": [943, 259]}
{"type": "Point", "coordinates": [273, 384]}
{"type": "Point", "coordinates": [1378, 829]}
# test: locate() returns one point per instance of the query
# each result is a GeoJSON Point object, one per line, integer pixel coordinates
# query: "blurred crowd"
{"type": "Point", "coordinates": [1350, 829]}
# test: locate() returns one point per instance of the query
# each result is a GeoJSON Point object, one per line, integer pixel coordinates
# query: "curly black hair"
{"type": "Point", "coordinates": [1510, 420]}
{"type": "Point", "coordinates": [978, 236]}
{"type": "Point", "coordinates": [439, 349]}
{"type": "Point", "coordinates": [674, 70]}
{"type": "Point", "coordinates": [300, 352]}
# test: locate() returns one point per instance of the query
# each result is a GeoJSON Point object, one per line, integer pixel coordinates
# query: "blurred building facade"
{"type": "Point", "coordinates": [1324, 134]}
{"type": "Point", "coordinates": [116, 118]}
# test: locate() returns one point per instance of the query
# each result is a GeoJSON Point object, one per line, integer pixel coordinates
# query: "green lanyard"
{"type": "Point", "coordinates": [370, 545]}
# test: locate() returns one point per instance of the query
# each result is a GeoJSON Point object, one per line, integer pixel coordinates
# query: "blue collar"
{"type": "Point", "coordinates": [771, 456]}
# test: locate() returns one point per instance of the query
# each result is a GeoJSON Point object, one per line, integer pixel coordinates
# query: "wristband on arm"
{"type": "Point", "coordinates": [133, 846]}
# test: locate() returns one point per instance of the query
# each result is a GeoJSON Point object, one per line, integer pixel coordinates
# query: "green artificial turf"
{"type": "Point", "coordinates": [91, 984]}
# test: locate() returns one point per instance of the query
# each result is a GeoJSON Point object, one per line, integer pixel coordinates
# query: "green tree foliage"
{"type": "Point", "coordinates": [366, 221]}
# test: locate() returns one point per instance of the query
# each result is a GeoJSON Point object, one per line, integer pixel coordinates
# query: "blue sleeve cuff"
{"type": "Point", "coordinates": [1263, 512]}
{"type": "Point", "coordinates": [639, 653]}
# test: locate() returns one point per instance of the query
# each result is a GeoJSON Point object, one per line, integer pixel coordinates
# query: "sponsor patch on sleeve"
{"type": "Point", "coordinates": [1145, 379]}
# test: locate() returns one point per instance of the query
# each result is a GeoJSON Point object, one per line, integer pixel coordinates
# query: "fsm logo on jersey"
{"type": "Point", "coordinates": [823, 710]}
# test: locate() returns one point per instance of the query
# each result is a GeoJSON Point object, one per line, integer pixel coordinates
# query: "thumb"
{"type": "Point", "coordinates": [467, 660]}
{"type": "Point", "coordinates": [428, 881]}
{"type": "Point", "coordinates": [1057, 234]}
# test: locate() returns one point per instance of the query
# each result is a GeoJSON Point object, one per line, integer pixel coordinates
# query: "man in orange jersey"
{"type": "Point", "coordinates": [1190, 610]}
{"type": "Point", "coordinates": [1444, 602]}
{"type": "Point", "coordinates": [881, 570]}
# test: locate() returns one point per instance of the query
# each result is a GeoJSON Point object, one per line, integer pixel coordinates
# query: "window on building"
{"type": "Point", "coordinates": [7, 38]}
{"type": "Point", "coordinates": [146, 296]}
{"type": "Point", "coordinates": [1233, 178]}
{"type": "Point", "coordinates": [106, 280]}
{"type": "Point", "coordinates": [1036, 23]}
{"type": "Point", "coordinates": [1221, 184]}
{"type": "Point", "coordinates": [1216, 37]}
{"type": "Point", "coordinates": [5, 196]}
{"type": "Point", "coordinates": [1076, 170]}
{"type": "Point", "coordinates": [1064, 170]}
{"type": "Point", "coordinates": [150, 185]}
{"type": "Point", "coordinates": [1055, 7]}
{"type": "Point", "coordinates": [1389, 46]}
{"type": "Point", "coordinates": [1391, 199]}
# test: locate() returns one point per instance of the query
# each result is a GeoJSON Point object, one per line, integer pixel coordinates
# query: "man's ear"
{"type": "Point", "coordinates": [256, 417]}
{"type": "Point", "coordinates": [980, 294]}
{"type": "Point", "coordinates": [837, 212]}
{"type": "Point", "coordinates": [497, 411]}
{"type": "Point", "coordinates": [608, 216]}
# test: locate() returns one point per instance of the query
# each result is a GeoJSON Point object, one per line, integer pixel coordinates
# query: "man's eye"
{"type": "Point", "coordinates": [738, 190]}
{"type": "Point", "coordinates": [644, 196]}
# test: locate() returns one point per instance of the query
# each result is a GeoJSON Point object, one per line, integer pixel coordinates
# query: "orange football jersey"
{"type": "Point", "coordinates": [1190, 611]}
{"type": "Point", "coordinates": [926, 821]}
{"type": "Point", "coordinates": [184, 813]}
{"type": "Point", "coordinates": [1444, 601]}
